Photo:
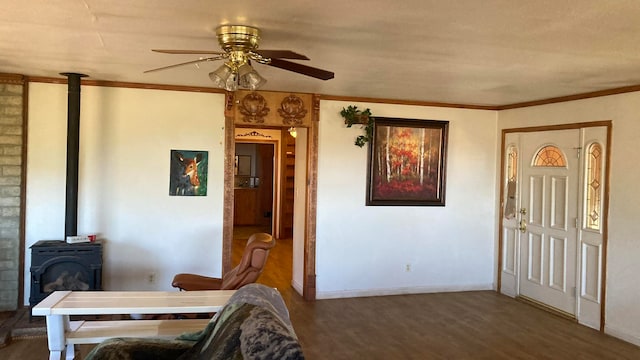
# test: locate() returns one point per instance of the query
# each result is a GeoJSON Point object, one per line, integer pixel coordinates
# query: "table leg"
{"type": "Point", "coordinates": [55, 335]}
{"type": "Point", "coordinates": [71, 352]}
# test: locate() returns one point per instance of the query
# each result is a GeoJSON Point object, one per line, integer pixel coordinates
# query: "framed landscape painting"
{"type": "Point", "coordinates": [407, 162]}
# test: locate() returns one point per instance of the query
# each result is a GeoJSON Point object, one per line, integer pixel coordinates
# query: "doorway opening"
{"type": "Point", "coordinates": [254, 186]}
{"type": "Point", "coordinates": [303, 259]}
{"type": "Point", "coordinates": [263, 200]}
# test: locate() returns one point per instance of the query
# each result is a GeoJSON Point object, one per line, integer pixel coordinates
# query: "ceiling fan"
{"type": "Point", "coordinates": [240, 46]}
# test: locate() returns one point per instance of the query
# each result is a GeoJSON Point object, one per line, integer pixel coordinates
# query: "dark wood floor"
{"type": "Point", "coordinates": [464, 325]}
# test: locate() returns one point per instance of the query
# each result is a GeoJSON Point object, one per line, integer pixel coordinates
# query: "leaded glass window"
{"type": "Point", "coordinates": [512, 181]}
{"type": "Point", "coordinates": [594, 186]}
{"type": "Point", "coordinates": [550, 156]}
{"type": "Point", "coordinates": [512, 163]}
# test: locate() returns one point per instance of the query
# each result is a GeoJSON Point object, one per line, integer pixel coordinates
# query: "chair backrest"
{"type": "Point", "coordinates": [252, 263]}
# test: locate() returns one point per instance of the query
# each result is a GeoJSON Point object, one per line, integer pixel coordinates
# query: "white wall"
{"type": "Point", "coordinates": [126, 138]}
{"type": "Point", "coordinates": [364, 250]}
{"type": "Point", "coordinates": [622, 312]}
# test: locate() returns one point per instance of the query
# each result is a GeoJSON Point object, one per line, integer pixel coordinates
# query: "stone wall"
{"type": "Point", "coordinates": [12, 126]}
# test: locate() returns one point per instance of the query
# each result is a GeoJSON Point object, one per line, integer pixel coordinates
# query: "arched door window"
{"type": "Point", "coordinates": [549, 156]}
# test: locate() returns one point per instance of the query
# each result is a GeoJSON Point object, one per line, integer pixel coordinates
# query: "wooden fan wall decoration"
{"type": "Point", "coordinates": [239, 45]}
{"type": "Point", "coordinates": [272, 109]}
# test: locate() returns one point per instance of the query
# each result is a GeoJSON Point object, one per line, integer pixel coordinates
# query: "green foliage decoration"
{"type": "Point", "coordinates": [354, 116]}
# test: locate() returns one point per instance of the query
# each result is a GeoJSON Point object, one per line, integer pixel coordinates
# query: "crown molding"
{"type": "Point", "coordinates": [559, 99]}
{"type": "Point", "coordinates": [21, 79]}
{"type": "Point", "coordinates": [124, 84]}
{"type": "Point", "coordinates": [408, 102]}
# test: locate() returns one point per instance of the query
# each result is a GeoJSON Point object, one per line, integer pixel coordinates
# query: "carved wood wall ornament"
{"type": "Point", "coordinates": [254, 134]}
{"type": "Point", "coordinates": [289, 109]}
{"type": "Point", "coordinates": [254, 108]}
{"type": "Point", "coordinates": [292, 110]}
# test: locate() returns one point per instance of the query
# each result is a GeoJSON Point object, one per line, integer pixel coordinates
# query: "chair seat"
{"type": "Point", "coordinates": [194, 282]}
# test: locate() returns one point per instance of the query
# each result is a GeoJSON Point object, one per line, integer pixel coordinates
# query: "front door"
{"type": "Point", "coordinates": [549, 218]}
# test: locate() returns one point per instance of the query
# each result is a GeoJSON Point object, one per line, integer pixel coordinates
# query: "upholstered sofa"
{"type": "Point", "coordinates": [254, 324]}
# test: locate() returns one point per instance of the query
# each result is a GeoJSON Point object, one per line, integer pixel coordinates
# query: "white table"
{"type": "Point", "coordinates": [63, 334]}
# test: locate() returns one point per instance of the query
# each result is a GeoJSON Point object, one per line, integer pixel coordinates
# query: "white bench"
{"type": "Point", "coordinates": [63, 334]}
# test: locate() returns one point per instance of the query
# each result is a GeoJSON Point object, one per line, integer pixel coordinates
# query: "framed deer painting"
{"type": "Point", "coordinates": [188, 173]}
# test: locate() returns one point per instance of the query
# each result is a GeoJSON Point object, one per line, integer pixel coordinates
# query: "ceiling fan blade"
{"type": "Point", "coordinates": [302, 69]}
{"type": "Point", "coordinates": [281, 54]}
{"type": "Point", "coordinates": [189, 52]}
{"type": "Point", "coordinates": [185, 63]}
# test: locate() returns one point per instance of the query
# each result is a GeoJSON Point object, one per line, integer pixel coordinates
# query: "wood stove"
{"type": "Point", "coordinates": [56, 265]}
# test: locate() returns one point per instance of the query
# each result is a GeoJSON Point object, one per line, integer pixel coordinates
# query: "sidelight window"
{"type": "Point", "coordinates": [512, 181]}
{"type": "Point", "coordinates": [594, 186]}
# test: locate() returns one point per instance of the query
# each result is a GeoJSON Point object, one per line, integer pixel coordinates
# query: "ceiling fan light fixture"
{"type": "Point", "coordinates": [231, 78]}
{"type": "Point", "coordinates": [244, 69]}
{"type": "Point", "coordinates": [221, 75]}
{"type": "Point", "coordinates": [232, 82]}
{"type": "Point", "coordinates": [252, 80]}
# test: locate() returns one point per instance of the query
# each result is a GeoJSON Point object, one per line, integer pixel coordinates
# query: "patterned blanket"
{"type": "Point", "coordinates": [254, 324]}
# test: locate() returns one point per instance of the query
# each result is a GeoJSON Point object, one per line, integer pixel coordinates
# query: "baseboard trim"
{"type": "Point", "coordinates": [622, 335]}
{"type": "Point", "coordinates": [401, 291]}
{"type": "Point", "coordinates": [297, 287]}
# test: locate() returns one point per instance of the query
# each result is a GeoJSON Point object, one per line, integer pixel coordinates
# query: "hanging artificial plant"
{"type": "Point", "coordinates": [353, 116]}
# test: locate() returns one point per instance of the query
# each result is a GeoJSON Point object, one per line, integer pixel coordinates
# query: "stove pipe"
{"type": "Point", "coordinates": [73, 153]}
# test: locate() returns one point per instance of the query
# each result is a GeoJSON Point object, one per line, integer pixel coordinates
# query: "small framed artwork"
{"type": "Point", "coordinates": [188, 173]}
{"type": "Point", "coordinates": [407, 162]}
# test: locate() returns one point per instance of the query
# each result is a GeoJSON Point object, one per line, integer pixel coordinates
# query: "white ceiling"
{"type": "Point", "coordinates": [489, 52]}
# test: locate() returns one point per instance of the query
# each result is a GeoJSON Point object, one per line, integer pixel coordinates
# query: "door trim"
{"type": "Point", "coordinates": [608, 124]}
{"type": "Point", "coordinates": [309, 271]}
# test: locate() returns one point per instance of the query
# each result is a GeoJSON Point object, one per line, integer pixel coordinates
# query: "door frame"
{"type": "Point", "coordinates": [310, 194]}
{"type": "Point", "coordinates": [608, 124]}
{"type": "Point", "coordinates": [275, 188]}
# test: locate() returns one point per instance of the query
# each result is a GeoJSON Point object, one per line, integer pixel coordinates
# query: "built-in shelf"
{"type": "Point", "coordinates": [288, 182]}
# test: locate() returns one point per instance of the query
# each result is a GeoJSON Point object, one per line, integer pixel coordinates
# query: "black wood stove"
{"type": "Point", "coordinates": [56, 265]}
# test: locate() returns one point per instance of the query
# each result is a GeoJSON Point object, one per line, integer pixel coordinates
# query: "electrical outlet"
{"type": "Point", "coordinates": [152, 278]}
{"type": "Point", "coordinates": [407, 268]}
